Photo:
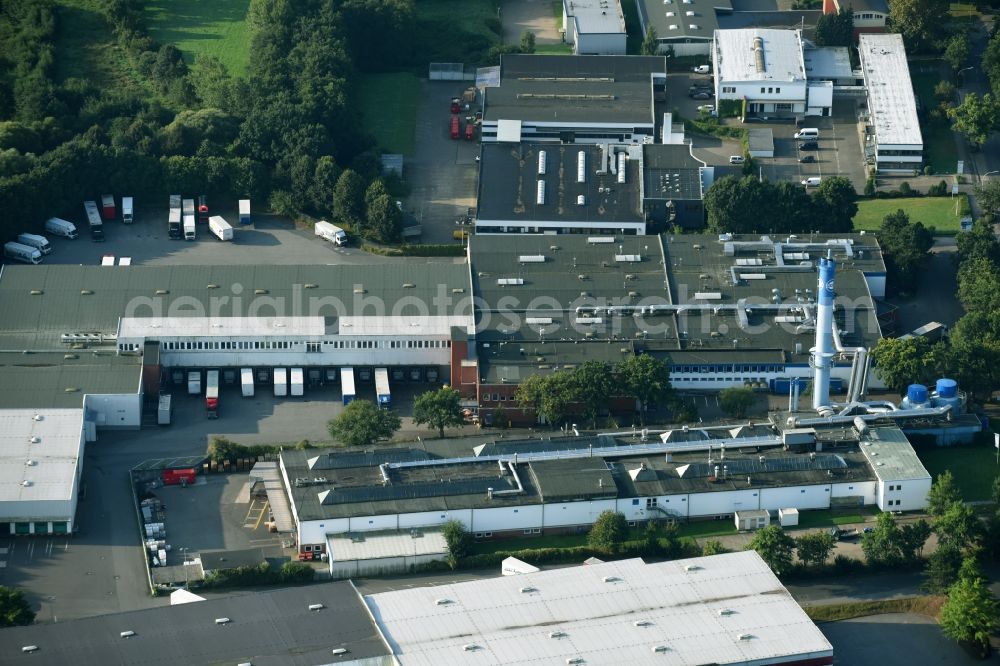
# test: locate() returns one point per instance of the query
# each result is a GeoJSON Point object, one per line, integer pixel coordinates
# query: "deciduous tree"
{"type": "Point", "coordinates": [362, 423]}
{"type": "Point", "coordinates": [650, 45]}
{"type": "Point", "coordinates": [774, 547]}
{"type": "Point", "coordinates": [15, 610]}
{"type": "Point", "coordinates": [609, 532]}
{"type": "Point", "coordinates": [921, 22]}
{"type": "Point", "coordinates": [975, 118]}
{"type": "Point", "coordinates": [970, 613]}
{"type": "Point", "coordinates": [647, 379]}
{"type": "Point", "coordinates": [835, 29]}
{"type": "Point", "coordinates": [814, 548]}
{"type": "Point", "coordinates": [439, 409]}
{"type": "Point", "coordinates": [593, 385]}
{"type": "Point", "coordinates": [881, 545]}
{"type": "Point", "coordinates": [943, 494]}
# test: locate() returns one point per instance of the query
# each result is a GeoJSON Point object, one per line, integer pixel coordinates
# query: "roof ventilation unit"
{"type": "Point", "coordinates": [540, 196]}
{"type": "Point", "coordinates": [581, 200]}
{"type": "Point", "coordinates": [574, 660]}
{"type": "Point", "coordinates": [528, 590]}
{"type": "Point", "coordinates": [339, 651]}
{"type": "Point", "coordinates": [470, 647]}
{"type": "Point", "coordinates": [541, 162]}
{"type": "Point", "coordinates": [621, 167]}
{"type": "Point", "coordinates": [128, 634]}
{"type": "Point", "coordinates": [34, 439]}
{"type": "Point", "coordinates": [643, 623]}
{"type": "Point", "coordinates": [660, 649]}
{"type": "Point", "coordinates": [758, 53]}
{"type": "Point", "coordinates": [611, 579]}
{"type": "Point", "coordinates": [316, 607]}
{"type": "Point", "coordinates": [222, 620]}
{"type": "Point", "coordinates": [29, 648]}
{"type": "Point", "coordinates": [442, 602]}
{"type": "Point", "coordinates": [557, 634]}
{"type": "Point", "coordinates": [581, 167]}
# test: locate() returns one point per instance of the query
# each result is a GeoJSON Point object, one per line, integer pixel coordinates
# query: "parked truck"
{"type": "Point", "coordinates": [296, 381]}
{"type": "Point", "coordinates": [189, 231]}
{"type": "Point", "coordinates": [175, 201]}
{"type": "Point", "coordinates": [174, 231]}
{"type": "Point", "coordinates": [22, 252]}
{"type": "Point", "coordinates": [203, 209]}
{"type": "Point", "coordinates": [40, 243]}
{"type": "Point", "coordinates": [246, 380]}
{"type": "Point", "coordinates": [382, 388]}
{"type": "Point", "coordinates": [108, 207]}
{"type": "Point", "coordinates": [212, 394]}
{"type": "Point", "coordinates": [194, 382]}
{"type": "Point", "coordinates": [60, 227]}
{"type": "Point", "coordinates": [94, 220]}
{"type": "Point", "coordinates": [127, 217]}
{"type": "Point", "coordinates": [331, 232]}
{"type": "Point", "coordinates": [187, 207]}
{"type": "Point", "coordinates": [456, 127]}
{"type": "Point", "coordinates": [222, 229]}
{"type": "Point", "coordinates": [244, 211]}
{"type": "Point", "coordinates": [347, 385]}
{"type": "Point", "coordinates": [280, 382]}
{"type": "Point", "coordinates": [163, 410]}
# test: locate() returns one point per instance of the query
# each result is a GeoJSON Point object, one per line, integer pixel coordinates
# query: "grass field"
{"type": "Point", "coordinates": [557, 7]}
{"type": "Point", "coordinates": [389, 106]}
{"type": "Point", "coordinates": [942, 213]}
{"type": "Point", "coordinates": [217, 28]}
{"type": "Point", "coordinates": [86, 47]}
{"type": "Point", "coordinates": [809, 519]}
{"type": "Point", "coordinates": [706, 528]}
{"type": "Point", "coordinates": [974, 467]}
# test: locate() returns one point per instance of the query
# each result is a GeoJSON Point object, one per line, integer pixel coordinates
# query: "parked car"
{"type": "Point", "coordinates": [809, 145]}
{"type": "Point", "coordinates": [706, 108]}
{"type": "Point", "coordinates": [701, 94]}
{"type": "Point", "coordinates": [736, 159]}
{"type": "Point", "coordinates": [807, 159]}
{"type": "Point", "coordinates": [702, 69]}
{"type": "Point", "coordinates": [869, 530]}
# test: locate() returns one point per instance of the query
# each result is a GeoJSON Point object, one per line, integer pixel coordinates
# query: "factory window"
{"type": "Point", "coordinates": [307, 549]}
{"type": "Point", "coordinates": [516, 510]}
{"type": "Point", "coordinates": [635, 502]}
{"type": "Point", "coordinates": [802, 491]}
{"type": "Point", "coordinates": [312, 347]}
{"type": "Point", "coordinates": [527, 531]}
{"type": "Point", "coordinates": [650, 502]}
{"type": "Point", "coordinates": [777, 90]}
{"type": "Point", "coordinates": [536, 530]}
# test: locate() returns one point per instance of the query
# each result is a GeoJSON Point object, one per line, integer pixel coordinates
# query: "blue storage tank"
{"type": "Point", "coordinates": [947, 388]}
{"type": "Point", "coordinates": [916, 394]}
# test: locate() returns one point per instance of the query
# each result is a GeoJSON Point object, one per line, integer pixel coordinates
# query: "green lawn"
{"type": "Point", "coordinates": [216, 28]}
{"type": "Point", "coordinates": [832, 518]}
{"type": "Point", "coordinates": [389, 106]}
{"type": "Point", "coordinates": [554, 49]}
{"type": "Point", "coordinates": [554, 541]}
{"type": "Point", "coordinates": [557, 7]}
{"type": "Point", "coordinates": [974, 467]}
{"type": "Point", "coordinates": [706, 528]}
{"type": "Point", "coordinates": [942, 213]}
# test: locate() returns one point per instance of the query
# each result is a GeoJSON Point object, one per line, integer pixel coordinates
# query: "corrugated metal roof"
{"type": "Point", "coordinates": [39, 455]}
{"type": "Point", "coordinates": [381, 545]}
{"type": "Point", "coordinates": [891, 455]}
{"type": "Point", "coordinates": [610, 613]}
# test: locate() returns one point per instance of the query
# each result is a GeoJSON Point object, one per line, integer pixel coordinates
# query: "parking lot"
{"type": "Point", "coordinates": [444, 172]}
{"type": "Point", "coordinates": [895, 639]}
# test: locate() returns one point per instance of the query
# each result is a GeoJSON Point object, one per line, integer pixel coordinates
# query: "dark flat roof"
{"type": "Point", "coordinates": [61, 379]}
{"type": "Point", "coordinates": [580, 89]}
{"type": "Point", "coordinates": [271, 628]}
{"type": "Point", "coordinates": [671, 172]}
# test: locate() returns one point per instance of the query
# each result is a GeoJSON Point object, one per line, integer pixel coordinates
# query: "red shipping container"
{"type": "Point", "coordinates": [455, 127]}
{"type": "Point", "coordinates": [174, 477]}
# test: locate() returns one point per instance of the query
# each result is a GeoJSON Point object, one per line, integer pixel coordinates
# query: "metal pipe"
{"type": "Point", "coordinates": [898, 414]}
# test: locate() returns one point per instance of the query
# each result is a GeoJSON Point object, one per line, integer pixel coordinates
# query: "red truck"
{"type": "Point", "coordinates": [455, 127]}
{"type": "Point", "coordinates": [470, 131]}
{"type": "Point", "coordinates": [108, 207]}
{"type": "Point", "coordinates": [203, 209]}
{"type": "Point", "coordinates": [212, 394]}
{"type": "Point", "coordinates": [179, 477]}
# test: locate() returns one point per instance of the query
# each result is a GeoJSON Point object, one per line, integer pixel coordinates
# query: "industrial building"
{"type": "Point", "coordinates": [724, 609]}
{"type": "Point", "coordinates": [381, 553]}
{"type": "Point", "coordinates": [892, 135]}
{"type": "Point", "coordinates": [684, 27]}
{"type": "Point", "coordinates": [594, 27]}
{"type": "Point", "coordinates": [41, 457]}
{"type": "Point", "coordinates": [869, 16]}
{"type": "Point", "coordinates": [674, 183]}
{"type": "Point", "coordinates": [586, 99]}
{"type": "Point", "coordinates": [765, 70]}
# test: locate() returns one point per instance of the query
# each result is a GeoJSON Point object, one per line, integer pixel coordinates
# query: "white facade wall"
{"type": "Point", "coordinates": [911, 494]}
{"type": "Point", "coordinates": [718, 381]}
{"type": "Point", "coordinates": [583, 133]}
{"type": "Point", "coordinates": [793, 93]}
{"type": "Point", "coordinates": [381, 566]}
{"type": "Point", "coordinates": [276, 358]}
{"type": "Point", "coordinates": [506, 518]}
{"type": "Point", "coordinates": [538, 226]}
{"type": "Point", "coordinates": [714, 504]}
{"type": "Point", "coordinates": [803, 497]}
{"type": "Point", "coordinates": [315, 531]}
{"type": "Point", "coordinates": [688, 48]}
{"type": "Point", "coordinates": [114, 410]}
{"type": "Point", "coordinates": [369, 523]}
{"type": "Point", "coordinates": [565, 514]}
{"type": "Point", "coordinates": [865, 489]}
{"type": "Point", "coordinates": [432, 518]}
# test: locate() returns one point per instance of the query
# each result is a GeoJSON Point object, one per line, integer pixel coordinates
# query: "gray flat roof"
{"type": "Point", "coordinates": [677, 21]}
{"type": "Point", "coordinates": [670, 171]}
{"type": "Point", "coordinates": [61, 379]}
{"type": "Point", "coordinates": [61, 306]}
{"type": "Point", "coordinates": [266, 628]}
{"type": "Point", "coordinates": [581, 89]}
{"type": "Point", "coordinates": [48, 465]}
{"type": "Point", "coordinates": [508, 182]}
{"type": "Point", "coordinates": [832, 62]}
{"type": "Point", "coordinates": [782, 61]}
{"type": "Point", "coordinates": [891, 456]}
{"type": "Point", "coordinates": [891, 100]}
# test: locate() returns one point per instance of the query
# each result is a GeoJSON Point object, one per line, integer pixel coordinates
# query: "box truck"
{"type": "Point", "coordinates": [188, 227]}
{"type": "Point", "coordinates": [212, 394]}
{"type": "Point", "coordinates": [175, 201]}
{"type": "Point", "coordinates": [222, 229]}
{"type": "Point", "coordinates": [244, 211]}
{"type": "Point", "coordinates": [187, 207]}
{"type": "Point", "coordinates": [297, 385]}
{"type": "Point", "coordinates": [108, 206]}
{"type": "Point", "coordinates": [246, 379]}
{"type": "Point", "coordinates": [21, 252]}
{"type": "Point", "coordinates": [280, 382]}
{"type": "Point", "coordinates": [194, 382]}
{"type": "Point", "coordinates": [174, 224]}
{"type": "Point", "coordinates": [40, 243]}
{"type": "Point", "coordinates": [163, 410]}
{"type": "Point", "coordinates": [203, 209]}
{"type": "Point", "coordinates": [331, 232]}
{"type": "Point", "coordinates": [347, 384]}
{"type": "Point", "coordinates": [94, 220]}
{"type": "Point", "coordinates": [382, 388]}
{"type": "Point", "coordinates": [60, 227]}
{"type": "Point", "coordinates": [127, 210]}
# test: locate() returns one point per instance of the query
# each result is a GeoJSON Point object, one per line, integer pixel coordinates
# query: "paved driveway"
{"type": "Point", "coordinates": [532, 15]}
{"type": "Point", "coordinates": [896, 639]}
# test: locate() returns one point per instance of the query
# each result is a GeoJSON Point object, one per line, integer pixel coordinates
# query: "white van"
{"type": "Point", "coordinates": [807, 133]}
{"type": "Point", "coordinates": [813, 181]}
{"type": "Point", "coordinates": [36, 241]}
{"type": "Point", "coordinates": [59, 227]}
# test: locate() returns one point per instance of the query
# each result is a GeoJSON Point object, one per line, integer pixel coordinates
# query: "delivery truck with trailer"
{"type": "Point", "coordinates": [108, 207]}
{"type": "Point", "coordinates": [127, 212]}
{"type": "Point", "coordinates": [194, 382]}
{"type": "Point", "coordinates": [94, 220]}
{"type": "Point", "coordinates": [222, 229]}
{"type": "Point", "coordinates": [175, 201]}
{"type": "Point", "coordinates": [174, 231]}
{"type": "Point", "coordinates": [187, 207]}
{"type": "Point", "coordinates": [347, 385]}
{"type": "Point", "coordinates": [22, 252]}
{"type": "Point", "coordinates": [244, 211]}
{"type": "Point", "coordinates": [189, 230]}
{"type": "Point", "coordinates": [246, 380]}
{"type": "Point", "coordinates": [163, 410]}
{"type": "Point", "coordinates": [212, 394]}
{"type": "Point", "coordinates": [59, 227]}
{"type": "Point", "coordinates": [40, 243]}
{"type": "Point", "coordinates": [280, 382]}
{"type": "Point", "coordinates": [382, 388]}
{"type": "Point", "coordinates": [296, 381]}
{"type": "Point", "coordinates": [202, 209]}
{"type": "Point", "coordinates": [331, 232]}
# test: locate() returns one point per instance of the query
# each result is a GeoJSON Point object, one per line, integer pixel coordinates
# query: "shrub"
{"type": "Point", "coordinates": [296, 572]}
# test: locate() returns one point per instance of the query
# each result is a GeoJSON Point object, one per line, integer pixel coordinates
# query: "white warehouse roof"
{"type": "Point", "coordinates": [782, 59]}
{"type": "Point", "coordinates": [383, 545]}
{"type": "Point", "coordinates": [205, 327]}
{"type": "Point", "coordinates": [890, 92]}
{"type": "Point", "coordinates": [39, 455]}
{"type": "Point", "coordinates": [723, 609]}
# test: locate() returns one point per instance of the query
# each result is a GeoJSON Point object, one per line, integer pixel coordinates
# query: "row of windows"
{"type": "Point", "coordinates": [897, 503]}
{"type": "Point", "coordinates": [770, 90]}
{"type": "Point", "coordinates": [899, 487]}
{"type": "Point", "coordinates": [225, 345]}
{"type": "Point", "coordinates": [869, 16]}
{"type": "Point", "coordinates": [728, 89]}
{"type": "Point", "coordinates": [714, 369]}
